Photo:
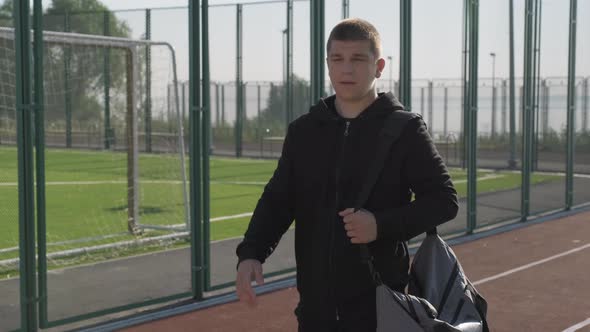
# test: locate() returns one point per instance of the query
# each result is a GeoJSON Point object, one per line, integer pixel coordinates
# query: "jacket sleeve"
{"type": "Point", "coordinates": [435, 197]}
{"type": "Point", "coordinates": [274, 212]}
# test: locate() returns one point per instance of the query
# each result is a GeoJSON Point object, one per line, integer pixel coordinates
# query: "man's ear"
{"type": "Point", "coordinates": [380, 67]}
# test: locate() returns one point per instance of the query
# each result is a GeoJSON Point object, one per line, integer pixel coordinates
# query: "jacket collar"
{"type": "Point", "coordinates": [325, 111]}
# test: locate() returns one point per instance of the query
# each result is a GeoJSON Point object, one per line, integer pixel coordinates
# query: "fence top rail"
{"type": "Point", "coordinates": [70, 38]}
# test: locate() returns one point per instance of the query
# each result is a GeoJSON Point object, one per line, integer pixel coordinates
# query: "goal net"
{"type": "Point", "coordinates": [115, 143]}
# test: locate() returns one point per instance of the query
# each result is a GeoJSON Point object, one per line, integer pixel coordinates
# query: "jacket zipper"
{"type": "Point", "coordinates": [332, 222]}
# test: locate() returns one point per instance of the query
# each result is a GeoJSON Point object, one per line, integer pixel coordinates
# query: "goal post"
{"type": "Point", "coordinates": [133, 107]}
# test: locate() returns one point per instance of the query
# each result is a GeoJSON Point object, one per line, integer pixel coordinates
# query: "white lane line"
{"type": "Point", "coordinates": [235, 216]}
{"type": "Point", "coordinates": [524, 267]}
{"type": "Point", "coordinates": [482, 178]}
{"type": "Point", "coordinates": [256, 183]}
{"type": "Point", "coordinates": [577, 326]}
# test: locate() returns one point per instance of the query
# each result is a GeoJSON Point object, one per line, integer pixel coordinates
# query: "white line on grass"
{"type": "Point", "coordinates": [577, 326]}
{"type": "Point", "coordinates": [524, 267]}
{"type": "Point", "coordinates": [71, 183]}
{"type": "Point", "coordinates": [235, 216]}
{"type": "Point", "coordinates": [255, 183]}
{"type": "Point", "coordinates": [483, 178]}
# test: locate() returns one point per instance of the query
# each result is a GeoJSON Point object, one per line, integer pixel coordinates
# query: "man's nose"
{"type": "Point", "coordinates": [347, 67]}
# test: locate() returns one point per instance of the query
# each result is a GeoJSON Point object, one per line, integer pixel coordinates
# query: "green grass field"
{"type": "Point", "coordinates": [86, 195]}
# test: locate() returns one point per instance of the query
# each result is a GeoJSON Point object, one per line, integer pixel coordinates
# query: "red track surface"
{"type": "Point", "coordinates": [538, 279]}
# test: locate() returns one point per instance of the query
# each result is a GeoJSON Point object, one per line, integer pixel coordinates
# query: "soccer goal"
{"type": "Point", "coordinates": [114, 134]}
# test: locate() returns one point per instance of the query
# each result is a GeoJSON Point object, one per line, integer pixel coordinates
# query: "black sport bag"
{"type": "Point", "coordinates": [440, 297]}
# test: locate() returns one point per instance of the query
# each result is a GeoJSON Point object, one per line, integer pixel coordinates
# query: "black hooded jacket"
{"type": "Point", "coordinates": [324, 162]}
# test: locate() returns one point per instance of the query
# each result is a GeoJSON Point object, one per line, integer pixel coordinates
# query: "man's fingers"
{"type": "Point", "coordinates": [258, 276]}
{"type": "Point", "coordinates": [247, 271]}
{"type": "Point", "coordinates": [346, 212]}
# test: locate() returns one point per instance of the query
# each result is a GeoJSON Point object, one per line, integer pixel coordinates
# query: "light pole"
{"type": "Point", "coordinates": [284, 35]}
{"type": "Point", "coordinates": [493, 126]}
{"type": "Point", "coordinates": [390, 64]}
{"type": "Point", "coordinates": [493, 55]}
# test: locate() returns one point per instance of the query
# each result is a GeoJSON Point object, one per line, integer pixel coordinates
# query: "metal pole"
{"type": "Point", "coordinates": [446, 113]}
{"type": "Point", "coordinates": [422, 101]}
{"type": "Point", "coordinates": [512, 158]}
{"type": "Point", "coordinates": [217, 115]}
{"type": "Point", "coordinates": [430, 108]}
{"type": "Point", "coordinates": [182, 105]}
{"type": "Point", "coordinates": [465, 89]}
{"type": "Point", "coordinates": [168, 109]}
{"type": "Point", "coordinates": [493, 126]}
{"type": "Point", "coordinates": [206, 144]}
{"type": "Point", "coordinates": [289, 68]}
{"type": "Point", "coordinates": [390, 65]}
{"type": "Point", "coordinates": [148, 82]}
{"type": "Point", "coordinates": [223, 105]}
{"type": "Point", "coordinates": [239, 83]}
{"type": "Point", "coordinates": [571, 125]}
{"type": "Point", "coordinates": [108, 133]}
{"type": "Point", "coordinates": [585, 105]}
{"type": "Point", "coordinates": [195, 150]}
{"type": "Point", "coordinates": [26, 198]}
{"type": "Point", "coordinates": [545, 108]}
{"type": "Point", "coordinates": [260, 129]}
{"type": "Point", "coordinates": [317, 49]}
{"type": "Point", "coordinates": [40, 161]}
{"type": "Point", "coordinates": [345, 9]}
{"type": "Point", "coordinates": [68, 96]}
{"type": "Point", "coordinates": [528, 101]}
{"type": "Point", "coordinates": [405, 75]}
{"type": "Point", "coordinates": [473, 108]}
{"type": "Point", "coordinates": [538, 77]}
{"type": "Point", "coordinates": [132, 144]}
{"type": "Point", "coordinates": [504, 104]}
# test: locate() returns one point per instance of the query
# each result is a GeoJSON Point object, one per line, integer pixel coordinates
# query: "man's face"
{"type": "Point", "coordinates": [353, 68]}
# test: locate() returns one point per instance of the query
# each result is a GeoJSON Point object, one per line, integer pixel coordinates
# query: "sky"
{"type": "Point", "coordinates": [436, 41]}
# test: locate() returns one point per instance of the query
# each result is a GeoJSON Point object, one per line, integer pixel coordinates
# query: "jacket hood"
{"type": "Point", "coordinates": [324, 110]}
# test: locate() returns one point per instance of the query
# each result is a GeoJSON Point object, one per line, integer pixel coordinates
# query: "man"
{"type": "Point", "coordinates": [326, 156]}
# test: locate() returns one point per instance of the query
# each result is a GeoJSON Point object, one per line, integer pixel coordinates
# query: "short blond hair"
{"type": "Point", "coordinates": [356, 29]}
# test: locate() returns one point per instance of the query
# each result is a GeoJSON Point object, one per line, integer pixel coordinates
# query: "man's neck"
{"type": "Point", "coordinates": [352, 108]}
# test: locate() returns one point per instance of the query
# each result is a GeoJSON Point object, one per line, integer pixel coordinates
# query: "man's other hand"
{"type": "Point", "coordinates": [360, 226]}
{"type": "Point", "coordinates": [248, 270]}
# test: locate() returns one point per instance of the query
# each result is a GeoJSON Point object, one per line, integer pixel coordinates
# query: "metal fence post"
{"type": "Point", "coordinates": [206, 143]}
{"type": "Point", "coordinates": [430, 108]}
{"type": "Point", "coordinates": [528, 103]}
{"type": "Point", "coordinates": [108, 133]}
{"type": "Point", "coordinates": [67, 92]}
{"type": "Point", "coordinates": [571, 86]}
{"type": "Point", "coordinates": [195, 150]}
{"type": "Point", "coordinates": [512, 158]}
{"type": "Point", "coordinates": [405, 66]}
{"type": "Point", "coordinates": [473, 109]}
{"type": "Point", "coordinates": [26, 207]}
{"type": "Point", "coordinates": [148, 82]}
{"type": "Point", "coordinates": [317, 49]}
{"type": "Point", "coordinates": [239, 83]}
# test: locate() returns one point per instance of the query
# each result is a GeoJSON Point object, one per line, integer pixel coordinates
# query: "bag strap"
{"type": "Point", "coordinates": [391, 131]}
